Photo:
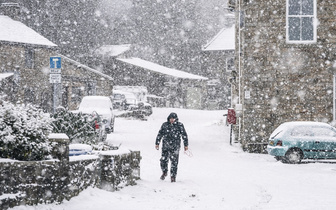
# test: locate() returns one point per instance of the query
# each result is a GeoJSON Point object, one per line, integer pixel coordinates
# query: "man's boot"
{"type": "Point", "coordinates": [163, 176]}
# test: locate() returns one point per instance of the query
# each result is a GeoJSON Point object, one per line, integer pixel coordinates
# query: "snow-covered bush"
{"type": "Point", "coordinates": [77, 126]}
{"type": "Point", "coordinates": [24, 131]}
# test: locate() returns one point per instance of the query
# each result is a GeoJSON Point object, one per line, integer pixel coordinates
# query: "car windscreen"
{"type": "Point", "coordinates": [313, 131]}
{"type": "Point", "coordinates": [301, 131]}
{"type": "Point", "coordinates": [118, 96]}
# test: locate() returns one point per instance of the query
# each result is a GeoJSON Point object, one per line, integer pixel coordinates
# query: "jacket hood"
{"type": "Point", "coordinates": [172, 115]}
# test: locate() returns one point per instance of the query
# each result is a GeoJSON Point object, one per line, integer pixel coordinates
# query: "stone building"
{"type": "Point", "coordinates": [180, 89]}
{"type": "Point", "coordinates": [285, 65]}
{"type": "Point", "coordinates": [166, 86]}
{"type": "Point", "coordinates": [217, 64]}
{"type": "Point", "coordinates": [79, 80]}
{"type": "Point", "coordinates": [25, 68]}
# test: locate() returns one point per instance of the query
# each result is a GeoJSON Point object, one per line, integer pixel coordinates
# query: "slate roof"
{"type": "Point", "coordinates": [160, 69]}
{"type": "Point", "coordinates": [79, 65]}
{"type": "Point", "coordinates": [224, 40]}
{"type": "Point", "coordinates": [112, 50]}
{"type": "Point", "coordinates": [17, 32]}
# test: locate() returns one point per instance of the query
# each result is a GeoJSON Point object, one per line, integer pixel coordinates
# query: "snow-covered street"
{"type": "Point", "coordinates": [217, 176]}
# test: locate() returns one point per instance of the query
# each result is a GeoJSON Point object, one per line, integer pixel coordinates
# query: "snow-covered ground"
{"type": "Point", "coordinates": [217, 176]}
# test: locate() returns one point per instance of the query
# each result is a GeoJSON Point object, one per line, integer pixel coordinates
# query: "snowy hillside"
{"type": "Point", "coordinates": [217, 176]}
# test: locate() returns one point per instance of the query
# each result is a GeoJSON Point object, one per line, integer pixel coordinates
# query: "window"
{"type": "Point", "coordinates": [242, 19]}
{"type": "Point", "coordinates": [91, 89]}
{"type": "Point", "coordinates": [29, 58]}
{"type": "Point", "coordinates": [301, 21]}
{"type": "Point", "coordinates": [323, 132]}
{"type": "Point", "coordinates": [301, 131]}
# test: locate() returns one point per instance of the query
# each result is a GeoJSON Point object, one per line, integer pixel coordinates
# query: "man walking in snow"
{"type": "Point", "coordinates": [171, 133]}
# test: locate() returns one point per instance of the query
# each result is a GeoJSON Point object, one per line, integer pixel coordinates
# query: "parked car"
{"type": "Point", "coordinates": [103, 106]}
{"type": "Point", "coordinates": [293, 141]}
{"type": "Point", "coordinates": [123, 100]}
{"type": "Point", "coordinates": [128, 102]}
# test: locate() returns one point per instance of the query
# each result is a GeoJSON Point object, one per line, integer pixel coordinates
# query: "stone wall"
{"type": "Point", "coordinates": [36, 182]}
{"type": "Point", "coordinates": [286, 82]}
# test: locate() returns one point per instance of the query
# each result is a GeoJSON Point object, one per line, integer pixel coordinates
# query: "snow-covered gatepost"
{"type": "Point", "coordinates": [119, 169]}
{"type": "Point", "coordinates": [60, 148]}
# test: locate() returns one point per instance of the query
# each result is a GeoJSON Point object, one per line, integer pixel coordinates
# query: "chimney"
{"type": "Point", "coordinates": [11, 10]}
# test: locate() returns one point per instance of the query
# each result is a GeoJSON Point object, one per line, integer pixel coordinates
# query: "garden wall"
{"type": "Point", "coordinates": [37, 182]}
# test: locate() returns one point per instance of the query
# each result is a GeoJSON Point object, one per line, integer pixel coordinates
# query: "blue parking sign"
{"type": "Point", "coordinates": [55, 62]}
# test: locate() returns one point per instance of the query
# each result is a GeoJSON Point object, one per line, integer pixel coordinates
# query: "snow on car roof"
{"type": "Point", "coordinates": [305, 123]}
{"type": "Point", "coordinates": [290, 125]}
{"type": "Point", "coordinates": [100, 104]}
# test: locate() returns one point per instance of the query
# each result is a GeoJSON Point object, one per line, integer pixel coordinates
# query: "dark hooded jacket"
{"type": "Point", "coordinates": [171, 134]}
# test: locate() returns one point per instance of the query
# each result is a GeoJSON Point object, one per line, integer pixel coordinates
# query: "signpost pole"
{"type": "Point", "coordinates": [55, 78]}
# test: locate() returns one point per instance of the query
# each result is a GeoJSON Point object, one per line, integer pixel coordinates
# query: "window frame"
{"type": "Point", "coordinates": [314, 16]}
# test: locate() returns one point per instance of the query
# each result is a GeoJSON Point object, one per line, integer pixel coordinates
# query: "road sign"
{"type": "Point", "coordinates": [55, 71]}
{"type": "Point", "coordinates": [55, 62]}
{"type": "Point", "coordinates": [55, 78]}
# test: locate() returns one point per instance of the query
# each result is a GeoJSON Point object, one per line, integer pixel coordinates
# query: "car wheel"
{"type": "Point", "coordinates": [103, 136]}
{"type": "Point", "coordinates": [278, 158]}
{"type": "Point", "coordinates": [293, 156]}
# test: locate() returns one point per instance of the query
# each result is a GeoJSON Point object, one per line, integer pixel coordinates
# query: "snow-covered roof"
{"type": "Point", "coordinates": [112, 50]}
{"type": "Point", "coordinates": [15, 31]}
{"type": "Point", "coordinates": [224, 40]}
{"type": "Point", "coordinates": [160, 69]}
{"type": "Point", "coordinates": [79, 65]}
{"type": "Point", "coordinates": [5, 75]}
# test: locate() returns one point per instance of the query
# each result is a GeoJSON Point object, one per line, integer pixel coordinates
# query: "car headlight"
{"type": "Point", "coordinates": [104, 121]}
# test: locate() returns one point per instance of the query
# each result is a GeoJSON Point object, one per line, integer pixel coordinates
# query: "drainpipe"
{"type": "Point", "coordinates": [239, 71]}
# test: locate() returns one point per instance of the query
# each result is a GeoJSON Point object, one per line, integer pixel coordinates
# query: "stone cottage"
{"type": "Point", "coordinates": [25, 60]}
{"type": "Point", "coordinates": [218, 63]}
{"type": "Point", "coordinates": [179, 88]}
{"type": "Point", "coordinates": [166, 86]}
{"type": "Point", "coordinates": [285, 65]}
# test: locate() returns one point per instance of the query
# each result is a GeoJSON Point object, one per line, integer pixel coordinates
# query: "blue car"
{"type": "Point", "coordinates": [293, 141]}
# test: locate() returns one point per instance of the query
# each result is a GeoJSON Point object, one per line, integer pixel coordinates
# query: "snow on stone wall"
{"type": "Point", "coordinates": [34, 182]}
